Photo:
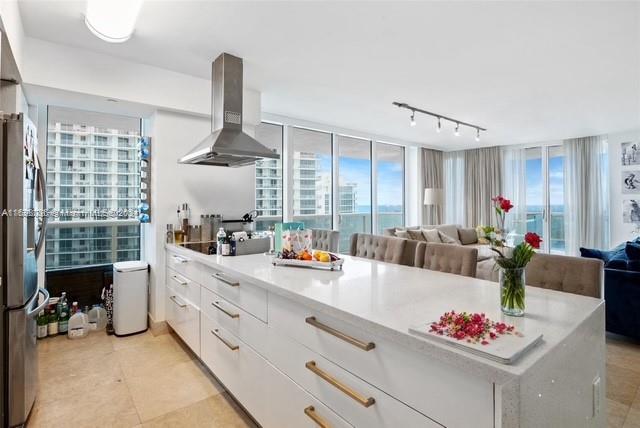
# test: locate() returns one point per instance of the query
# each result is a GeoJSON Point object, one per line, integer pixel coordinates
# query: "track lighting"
{"type": "Point", "coordinates": [440, 119]}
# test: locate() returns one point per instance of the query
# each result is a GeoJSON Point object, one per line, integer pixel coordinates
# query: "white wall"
{"type": "Point", "coordinates": [207, 189]}
{"type": "Point", "coordinates": [619, 231]}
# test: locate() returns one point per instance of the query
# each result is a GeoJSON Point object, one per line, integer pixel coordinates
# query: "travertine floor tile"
{"type": "Point", "coordinates": [219, 411]}
{"type": "Point", "coordinates": [622, 384]}
{"type": "Point", "coordinates": [106, 406]}
{"type": "Point", "coordinates": [78, 376]}
{"type": "Point", "coordinates": [55, 351]}
{"type": "Point", "coordinates": [131, 341]}
{"type": "Point", "coordinates": [624, 354]}
{"type": "Point", "coordinates": [616, 414]}
{"type": "Point", "coordinates": [174, 387]}
{"type": "Point", "coordinates": [152, 357]}
{"type": "Point", "coordinates": [633, 419]}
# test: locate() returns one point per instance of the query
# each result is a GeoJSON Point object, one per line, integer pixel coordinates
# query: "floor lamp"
{"type": "Point", "coordinates": [433, 199]}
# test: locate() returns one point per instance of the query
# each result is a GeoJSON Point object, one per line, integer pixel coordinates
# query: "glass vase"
{"type": "Point", "coordinates": [512, 291]}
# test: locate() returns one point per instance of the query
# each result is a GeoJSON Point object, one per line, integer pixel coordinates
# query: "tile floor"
{"type": "Point", "coordinates": [154, 381]}
{"type": "Point", "coordinates": [137, 381]}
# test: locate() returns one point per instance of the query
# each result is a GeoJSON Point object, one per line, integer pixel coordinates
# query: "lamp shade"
{"type": "Point", "coordinates": [433, 196]}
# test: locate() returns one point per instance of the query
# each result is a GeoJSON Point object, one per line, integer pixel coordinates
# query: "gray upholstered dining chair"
{"type": "Point", "coordinates": [456, 259]}
{"type": "Point", "coordinates": [375, 247]}
{"type": "Point", "coordinates": [575, 275]}
{"type": "Point", "coordinates": [325, 239]}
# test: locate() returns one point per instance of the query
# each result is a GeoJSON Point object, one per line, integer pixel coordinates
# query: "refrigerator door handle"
{"type": "Point", "coordinates": [41, 306]}
{"type": "Point", "coordinates": [42, 183]}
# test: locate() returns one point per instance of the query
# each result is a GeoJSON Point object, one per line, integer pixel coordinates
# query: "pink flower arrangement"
{"type": "Point", "coordinates": [474, 328]}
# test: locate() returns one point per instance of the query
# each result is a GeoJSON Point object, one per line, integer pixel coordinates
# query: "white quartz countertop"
{"type": "Point", "coordinates": [386, 299]}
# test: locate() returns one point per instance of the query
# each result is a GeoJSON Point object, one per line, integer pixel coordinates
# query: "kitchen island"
{"type": "Point", "coordinates": [302, 347]}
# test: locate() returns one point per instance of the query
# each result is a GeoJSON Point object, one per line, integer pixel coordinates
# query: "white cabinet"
{"type": "Point", "coordinates": [237, 365]}
{"type": "Point", "coordinates": [249, 297]}
{"type": "Point", "coordinates": [184, 319]}
{"type": "Point", "coordinates": [431, 387]}
{"type": "Point", "coordinates": [185, 287]}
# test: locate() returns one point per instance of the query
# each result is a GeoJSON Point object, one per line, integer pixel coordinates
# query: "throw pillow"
{"type": "Point", "coordinates": [632, 250]}
{"type": "Point", "coordinates": [402, 234]}
{"type": "Point", "coordinates": [431, 235]}
{"type": "Point", "coordinates": [446, 239]}
{"type": "Point", "coordinates": [591, 253]}
{"type": "Point", "coordinates": [468, 236]}
{"type": "Point", "coordinates": [416, 235]}
{"type": "Point", "coordinates": [618, 260]}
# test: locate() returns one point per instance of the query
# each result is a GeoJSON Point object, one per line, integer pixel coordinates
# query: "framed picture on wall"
{"type": "Point", "coordinates": [631, 182]}
{"type": "Point", "coordinates": [631, 211]}
{"type": "Point", "coordinates": [630, 153]}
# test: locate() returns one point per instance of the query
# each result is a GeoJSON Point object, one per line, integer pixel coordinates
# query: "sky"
{"type": "Point", "coordinates": [389, 180]}
{"type": "Point", "coordinates": [535, 182]}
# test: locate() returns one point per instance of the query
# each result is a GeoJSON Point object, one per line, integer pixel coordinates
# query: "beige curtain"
{"type": "Point", "coordinates": [483, 180]}
{"type": "Point", "coordinates": [432, 166]}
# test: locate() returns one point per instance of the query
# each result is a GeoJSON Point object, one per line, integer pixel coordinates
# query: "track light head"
{"type": "Point", "coordinates": [477, 134]}
{"type": "Point", "coordinates": [457, 130]}
{"type": "Point", "coordinates": [439, 128]}
{"type": "Point", "coordinates": [413, 119]}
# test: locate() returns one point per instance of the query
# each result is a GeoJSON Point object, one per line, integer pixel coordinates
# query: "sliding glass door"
{"type": "Point", "coordinates": [545, 196]}
{"type": "Point", "coordinates": [354, 188]}
{"type": "Point", "coordinates": [390, 186]}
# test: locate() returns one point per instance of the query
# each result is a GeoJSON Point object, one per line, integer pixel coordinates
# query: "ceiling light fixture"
{"type": "Point", "coordinates": [440, 117]}
{"type": "Point", "coordinates": [112, 20]}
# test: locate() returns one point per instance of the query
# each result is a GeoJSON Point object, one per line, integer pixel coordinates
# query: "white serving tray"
{"type": "Point", "coordinates": [313, 264]}
{"type": "Point", "coordinates": [506, 349]}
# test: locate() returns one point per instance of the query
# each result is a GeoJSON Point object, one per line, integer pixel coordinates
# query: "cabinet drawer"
{"type": "Point", "coordinates": [289, 406]}
{"type": "Point", "coordinates": [184, 318]}
{"type": "Point", "coordinates": [238, 367]}
{"type": "Point", "coordinates": [233, 319]}
{"type": "Point", "coordinates": [356, 401]}
{"type": "Point", "coordinates": [432, 387]}
{"type": "Point", "coordinates": [248, 297]}
{"type": "Point", "coordinates": [184, 266]}
{"type": "Point", "coordinates": [184, 287]}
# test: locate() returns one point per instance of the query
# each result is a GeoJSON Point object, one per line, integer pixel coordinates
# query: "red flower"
{"type": "Point", "coordinates": [533, 239]}
{"type": "Point", "coordinates": [505, 205]}
{"type": "Point", "coordinates": [497, 198]}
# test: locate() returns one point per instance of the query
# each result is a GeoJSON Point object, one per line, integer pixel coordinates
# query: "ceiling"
{"type": "Point", "coordinates": [527, 71]}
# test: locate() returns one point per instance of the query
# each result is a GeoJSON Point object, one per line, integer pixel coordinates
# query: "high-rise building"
{"type": "Point", "coordinates": [93, 176]}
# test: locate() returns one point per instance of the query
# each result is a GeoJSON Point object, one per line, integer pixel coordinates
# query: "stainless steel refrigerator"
{"type": "Point", "coordinates": [22, 185]}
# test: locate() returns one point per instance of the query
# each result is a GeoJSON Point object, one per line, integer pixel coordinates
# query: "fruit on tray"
{"type": "Point", "coordinates": [305, 255]}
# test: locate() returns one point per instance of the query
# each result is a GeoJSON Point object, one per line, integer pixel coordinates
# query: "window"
{"type": "Point", "coordinates": [123, 142]}
{"type": "Point", "coordinates": [390, 186]}
{"type": "Point", "coordinates": [269, 178]}
{"type": "Point", "coordinates": [312, 178]}
{"type": "Point", "coordinates": [354, 184]}
{"type": "Point", "coordinates": [102, 238]}
{"type": "Point", "coordinates": [545, 196]}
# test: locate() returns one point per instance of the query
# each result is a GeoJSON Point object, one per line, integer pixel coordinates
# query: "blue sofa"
{"type": "Point", "coordinates": [621, 287]}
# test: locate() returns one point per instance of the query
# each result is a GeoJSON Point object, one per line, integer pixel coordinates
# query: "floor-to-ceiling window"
{"type": "Point", "coordinates": [312, 178]}
{"type": "Point", "coordinates": [545, 196]}
{"type": "Point", "coordinates": [389, 168]}
{"type": "Point", "coordinates": [269, 177]}
{"type": "Point", "coordinates": [93, 188]}
{"type": "Point", "coordinates": [354, 185]}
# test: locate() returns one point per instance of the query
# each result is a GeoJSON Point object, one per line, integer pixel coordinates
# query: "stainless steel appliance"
{"type": "Point", "coordinates": [22, 239]}
{"type": "Point", "coordinates": [227, 145]}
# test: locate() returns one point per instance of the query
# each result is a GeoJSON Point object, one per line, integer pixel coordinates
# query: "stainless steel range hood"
{"type": "Point", "coordinates": [227, 145]}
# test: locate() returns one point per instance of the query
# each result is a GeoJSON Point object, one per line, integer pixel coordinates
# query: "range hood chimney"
{"type": "Point", "coordinates": [227, 145]}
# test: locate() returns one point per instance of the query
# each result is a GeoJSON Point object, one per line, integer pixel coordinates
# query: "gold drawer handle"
{"type": "Point", "coordinates": [365, 346]}
{"type": "Point", "coordinates": [216, 333]}
{"type": "Point", "coordinates": [220, 277]}
{"type": "Point", "coordinates": [311, 412]}
{"type": "Point", "coordinates": [217, 305]}
{"type": "Point", "coordinates": [366, 402]}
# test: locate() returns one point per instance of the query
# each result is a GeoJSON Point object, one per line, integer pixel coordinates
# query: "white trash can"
{"type": "Point", "coordinates": [130, 297]}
